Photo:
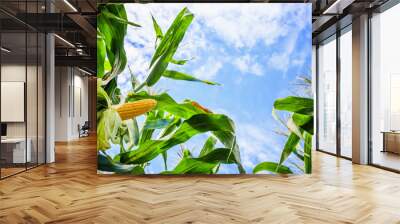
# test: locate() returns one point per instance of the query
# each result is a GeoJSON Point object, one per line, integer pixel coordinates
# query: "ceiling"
{"type": "Point", "coordinates": [74, 22]}
{"type": "Point", "coordinates": [331, 15]}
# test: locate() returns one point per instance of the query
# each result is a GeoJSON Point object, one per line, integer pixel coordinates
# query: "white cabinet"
{"type": "Point", "coordinates": [18, 147]}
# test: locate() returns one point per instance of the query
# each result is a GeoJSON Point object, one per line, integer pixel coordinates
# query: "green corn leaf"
{"type": "Point", "coordinates": [157, 70]}
{"type": "Point", "coordinates": [104, 164]}
{"type": "Point", "coordinates": [206, 164]}
{"type": "Point", "coordinates": [158, 31]}
{"type": "Point", "coordinates": [113, 35]}
{"type": "Point", "coordinates": [183, 110]}
{"type": "Point", "coordinates": [133, 132]}
{"type": "Point", "coordinates": [103, 100]}
{"type": "Point", "coordinates": [107, 128]}
{"type": "Point", "coordinates": [104, 32]}
{"type": "Point", "coordinates": [117, 67]}
{"type": "Point", "coordinates": [301, 119]}
{"type": "Point", "coordinates": [290, 146]}
{"type": "Point", "coordinates": [107, 66]}
{"type": "Point", "coordinates": [113, 91]}
{"type": "Point", "coordinates": [182, 76]}
{"type": "Point", "coordinates": [157, 124]}
{"type": "Point", "coordinates": [295, 104]}
{"type": "Point", "coordinates": [137, 170]}
{"type": "Point", "coordinates": [165, 159]}
{"type": "Point", "coordinates": [305, 122]}
{"type": "Point", "coordinates": [293, 128]}
{"type": "Point", "coordinates": [192, 166]}
{"type": "Point", "coordinates": [220, 155]}
{"type": "Point", "coordinates": [201, 123]}
{"type": "Point", "coordinates": [228, 139]}
{"type": "Point", "coordinates": [164, 98]}
{"type": "Point", "coordinates": [171, 128]}
{"type": "Point", "coordinates": [166, 103]}
{"type": "Point", "coordinates": [119, 19]}
{"type": "Point", "coordinates": [307, 153]}
{"type": "Point", "coordinates": [195, 125]}
{"type": "Point", "coordinates": [168, 46]}
{"type": "Point", "coordinates": [278, 118]}
{"type": "Point", "coordinates": [186, 153]}
{"type": "Point", "coordinates": [146, 133]}
{"type": "Point", "coordinates": [272, 167]}
{"type": "Point", "coordinates": [208, 146]}
{"type": "Point", "coordinates": [101, 56]}
{"type": "Point", "coordinates": [157, 28]}
{"type": "Point", "coordinates": [179, 62]}
{"type": "Point", "coordinates": [298, 155]}
{"type": "Point", "coordinates": [103, 142]}
{"type": "Point", "coordinates": [172, 32]}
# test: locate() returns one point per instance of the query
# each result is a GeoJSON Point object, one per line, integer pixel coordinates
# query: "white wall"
{"type": "Point", "coordinates": [16, 73]}
{"type": "Point", "coordinates": [80, 102]}
{"type": "Point", "coordinates": [70, 83]}
{"type": "Point", "coordinates": [62, 81]}
{"type": "Point", "coordinates": [33, 127]}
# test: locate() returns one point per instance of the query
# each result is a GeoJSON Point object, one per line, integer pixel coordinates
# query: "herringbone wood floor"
{"type": "Point", "coordinates": [70, 191]}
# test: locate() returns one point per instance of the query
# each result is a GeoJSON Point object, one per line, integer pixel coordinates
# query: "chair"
{"type": "Point", "coordinates": [84, 130]}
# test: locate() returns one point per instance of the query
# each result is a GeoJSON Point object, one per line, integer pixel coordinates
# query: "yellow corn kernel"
{"type": "Point", "coordinates": [198, 106]}
{"type": "Point", "coordinates": [133, 109]}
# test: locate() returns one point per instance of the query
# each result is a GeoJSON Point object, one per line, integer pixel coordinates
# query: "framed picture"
{"type": "Point", "coordinates": [204, 88]}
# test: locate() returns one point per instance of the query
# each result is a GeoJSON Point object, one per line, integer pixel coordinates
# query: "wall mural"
{"type": "Point", "coordinates": [204, 88]}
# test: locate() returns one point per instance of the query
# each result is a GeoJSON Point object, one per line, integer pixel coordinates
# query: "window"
{"type": "Point", "coordinates": [346, 93]}
{"type": "Point", "coordinates": [385, 89]}
{"type": "Point", "coordinates": [327, 96]}
{"type": "Point", "coordinates": [22, 95]}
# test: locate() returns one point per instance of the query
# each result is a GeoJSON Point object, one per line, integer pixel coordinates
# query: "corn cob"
{"type": "Point", "coordinates": [198, 106]}
{"type": "Point", "coordinates": [133, 109]}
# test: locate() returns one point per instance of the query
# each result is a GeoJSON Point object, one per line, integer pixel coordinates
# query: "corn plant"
{"type": "Point", "coordinates": [167, 123]}
{"type": "Point", "coordinates": [300, 126]}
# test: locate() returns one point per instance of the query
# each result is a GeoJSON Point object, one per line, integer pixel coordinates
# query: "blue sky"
{"type": "Point", "coordinates": [254, 50]}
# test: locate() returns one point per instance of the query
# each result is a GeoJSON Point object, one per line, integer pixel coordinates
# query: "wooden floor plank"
{"type": "Point", "coordinates": [70, 191]}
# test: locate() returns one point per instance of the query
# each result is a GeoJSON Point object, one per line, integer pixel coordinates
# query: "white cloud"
{"type": "Point", "coordinates": [209, 70]}
{"type": "Point", "coordinates": [256, 143]}
{"type": "Point", "coordinates": [256, 69]}
{"type": "Point", "coordinates": [300, 58]}
{"type": "Point", "coordinates": [234, 25]}
{"type": "Point", "coordinates": [280, 60]}
{"type": "Point", "coordinates": [250, 26]}
{"type": "Point", "coordinates": [298, 61]}
{"type": "Point", "coordinates": [286, 57]}
{"type": "Point", "coordinates": [246, 65]}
